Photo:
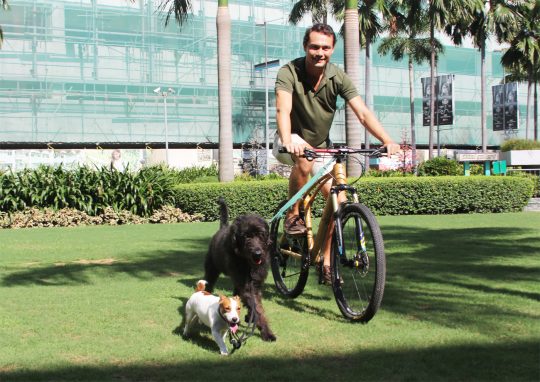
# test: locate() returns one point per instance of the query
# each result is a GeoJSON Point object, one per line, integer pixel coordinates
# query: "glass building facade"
{"type": "Point", "coordinates": [83, 73]}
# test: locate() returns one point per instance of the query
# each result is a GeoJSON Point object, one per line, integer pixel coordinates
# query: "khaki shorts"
{"type": "Point", "coordinates": [286, 158]}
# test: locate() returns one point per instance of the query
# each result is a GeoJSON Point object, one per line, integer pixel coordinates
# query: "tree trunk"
{"type": "Point", "coordinates": [483, 101]}
{"type": "Point", "coordinates": [535, 112]}
{"type": "Point", "coordinates": [223, 25]}
{"type": "Point", "coordinates": [529, 103]}
{"type": "Point", "coordinates": [432, 86]}
{"type": "Point", "coordinates": [352, 67]}
{"type": "Point", "coordinates": [369, 97]}
{"type": "Point", "coordinates": [411, 98]}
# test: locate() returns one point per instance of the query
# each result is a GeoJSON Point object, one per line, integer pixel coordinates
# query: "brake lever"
{"type": "Point", "coordinates": [309, 154]}
{"type": "Point", "coordinates": [379, 152]}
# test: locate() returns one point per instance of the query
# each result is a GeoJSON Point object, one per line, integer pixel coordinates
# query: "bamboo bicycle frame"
{"type": "Point", "coordinates": [339, 178]}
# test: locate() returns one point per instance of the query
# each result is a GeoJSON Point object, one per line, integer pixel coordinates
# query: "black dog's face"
{"type": "Point", "coordinates": [251, 239]}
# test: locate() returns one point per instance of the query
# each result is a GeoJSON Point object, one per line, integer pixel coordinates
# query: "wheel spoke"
{"type": "Point", "coordinates": [289, 259]}
{"type": "Point", "coordinates": [361, 270]}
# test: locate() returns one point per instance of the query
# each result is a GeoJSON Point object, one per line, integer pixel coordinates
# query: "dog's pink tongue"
{"type": "Point", "coordinates": [234, 328]}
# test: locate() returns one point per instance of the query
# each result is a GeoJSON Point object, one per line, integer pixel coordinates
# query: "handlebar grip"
{"type": "Point", "coordinates": [308, 154]}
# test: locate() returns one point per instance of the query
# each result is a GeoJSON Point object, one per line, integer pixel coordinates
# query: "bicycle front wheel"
{"type": "Point", "coordinates": [358, 264]}
{"type": "Point", "coordinates": [290, 259]}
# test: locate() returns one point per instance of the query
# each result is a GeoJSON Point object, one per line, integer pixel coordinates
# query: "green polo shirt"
{"type": "Point", "coordinates": [313, 111]}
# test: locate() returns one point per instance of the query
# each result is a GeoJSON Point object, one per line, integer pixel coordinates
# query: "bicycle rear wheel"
{"type": "Point", "coordinates": [289, 259]}
{"type": "Point", "coordinates": [359, 266]}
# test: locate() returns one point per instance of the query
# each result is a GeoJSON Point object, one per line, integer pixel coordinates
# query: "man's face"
{"type": "Point", "coordinates": [319, 49]}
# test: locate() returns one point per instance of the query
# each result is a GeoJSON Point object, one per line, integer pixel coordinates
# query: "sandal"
{"type": "Point", "coordinates": [295, 225]}
{"type": "Point", "coordinates": [325, 275]}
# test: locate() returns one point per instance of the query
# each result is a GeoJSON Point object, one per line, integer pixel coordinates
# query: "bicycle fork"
{"type": "Point", "coordinates": [357, 261]}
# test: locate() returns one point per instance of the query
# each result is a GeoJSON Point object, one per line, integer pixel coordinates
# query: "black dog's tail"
{"type": "Point", "coordinates": [223, 212]}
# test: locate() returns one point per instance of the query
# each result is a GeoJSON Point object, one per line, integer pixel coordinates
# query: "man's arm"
{"type": "Point", "coordinates": [370, 121]}
{"type": "Point", "coordinates": [283, 119]}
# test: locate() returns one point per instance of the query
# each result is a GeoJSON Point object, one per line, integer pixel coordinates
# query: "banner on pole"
{"type": "Point", "coordinates": [444, 100]}
{"type": "Point", "coordinates": [505, 107]}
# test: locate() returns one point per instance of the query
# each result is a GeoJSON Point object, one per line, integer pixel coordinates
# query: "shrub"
{"type": "Point", "coordinates": [387, 173]}
{"type": "Point", "coordinates": [520, 144]}
{"type": "Point", "coordinates": [445, 194]}
{"type": "Point", "coordinates": [534, 178]}
{"type": "Point", "coordinates": [385, 196]}
{"type": "Point", "coordinates": [86, 189]}
{"type": "Point", "coordinates": [440, 166]}
{"type": "Point", "coordinates": [242, 197]}
{"type": "Point", "coordinates": [67, 217]}
{"type": "Point", "coordinates": [246, 177]}
{"type": "Point", "coordinates": [193, 174]}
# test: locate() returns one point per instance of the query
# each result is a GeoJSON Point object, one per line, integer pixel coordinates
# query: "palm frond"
{"type": "Point", "coordinates": [179, 9]}
{"type": "Point", "coordinates": [5, 7]}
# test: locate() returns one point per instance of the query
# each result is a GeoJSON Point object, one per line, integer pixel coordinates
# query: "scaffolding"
{"type": "Point", "coordinates": [82, 72]}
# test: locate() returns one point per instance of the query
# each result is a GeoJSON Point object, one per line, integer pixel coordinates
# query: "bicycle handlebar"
{"type": "Point", "coordinates": [338, 151]}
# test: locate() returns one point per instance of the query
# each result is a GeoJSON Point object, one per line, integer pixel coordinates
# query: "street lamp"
{"type": "Point", "coordinates": [165, 94]}
{"type": "Point", "coordinates": [266, 65]}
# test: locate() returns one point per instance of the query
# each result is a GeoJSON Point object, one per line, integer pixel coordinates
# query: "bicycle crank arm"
{"type": "Point", "coordinates": [296, 255]}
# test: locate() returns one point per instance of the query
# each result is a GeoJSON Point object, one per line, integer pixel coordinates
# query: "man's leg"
{"type": "Point", "coordinates": [299, 177]}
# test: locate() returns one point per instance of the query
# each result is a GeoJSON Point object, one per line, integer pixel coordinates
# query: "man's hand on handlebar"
{"type": "Point", "coordinates": [392, 148]}
{"type": "Point", "coordinates": [296, 149]}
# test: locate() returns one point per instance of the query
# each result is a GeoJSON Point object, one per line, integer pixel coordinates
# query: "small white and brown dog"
{"type": "Point", "coordinates": [218, 313]}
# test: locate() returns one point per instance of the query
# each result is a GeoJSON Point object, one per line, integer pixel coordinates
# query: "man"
{"type": "Point", "coordinates": [306, 95]}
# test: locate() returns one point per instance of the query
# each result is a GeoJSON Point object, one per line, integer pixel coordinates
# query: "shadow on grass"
{"type": "Point", "coordinates": [494, 362]}
{"type": "Point", "coordinates": [444, 252]}
{"type": "Point", "coordinates": [438, 275]}
{"type": "Point", "coordinates": [462, 273]}
{"type": "Point", "coordinates": [145, 265]}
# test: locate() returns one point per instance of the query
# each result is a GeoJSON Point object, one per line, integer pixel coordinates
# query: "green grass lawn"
{"type": "Point", "coordinates": [462, 303]}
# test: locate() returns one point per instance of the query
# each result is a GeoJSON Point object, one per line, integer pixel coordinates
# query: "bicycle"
{"type": "Point", "coordinates": [357, 251]}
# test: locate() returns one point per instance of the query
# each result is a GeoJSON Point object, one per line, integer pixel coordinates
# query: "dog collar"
{"type": "Point", "coordinates": [222, 316]}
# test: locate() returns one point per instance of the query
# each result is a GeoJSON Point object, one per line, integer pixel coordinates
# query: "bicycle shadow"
{"type": "Point", "coordinates": [312, 303]}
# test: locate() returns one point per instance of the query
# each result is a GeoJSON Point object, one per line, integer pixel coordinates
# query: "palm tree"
{"type": "Point", "coordinates": [524, 50]}
{"type": "Point", "coordinates": [5, 6]}
{"type": "Point", "coordinates": [518, 73]}
{"type": "Point", "coordinates": [223, 25]}
{"type": "Point", "coordinates": [408, 29]}
{"type": "Point", "coordinates": [370, 27]}
{"type": "Point", "coordinates": [318, 9]}
{"type": "Point", "coordinates": [181, 9]}
{"type": "Point", "coordinates": [494, 18]}
{"type": "Point", "coordinates": [352, 67]}
{"type": "Point", "coordinates": [442, 15]}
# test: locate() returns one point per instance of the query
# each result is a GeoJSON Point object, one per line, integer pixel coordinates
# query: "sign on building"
{"type": "Point", "coordinates": [444, 101]}
{"type": "Point", "coordinates": [505, 107]}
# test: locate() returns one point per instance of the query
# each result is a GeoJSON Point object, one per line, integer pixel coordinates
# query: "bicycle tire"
{"type": "Point", "coordinates": [290, 272]}
{"type": "Point", "coordinates": [358, 275]}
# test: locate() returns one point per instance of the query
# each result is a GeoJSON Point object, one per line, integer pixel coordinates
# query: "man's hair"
{"type": "Point", "coordinates": [320, 28]}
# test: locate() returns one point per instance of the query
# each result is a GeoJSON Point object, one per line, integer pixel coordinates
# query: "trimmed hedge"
{"type": "Point", "coordinates": [384, 196]}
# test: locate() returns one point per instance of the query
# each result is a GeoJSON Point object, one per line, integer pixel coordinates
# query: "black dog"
{"type": "Point", "coordinates": [240, 250]}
